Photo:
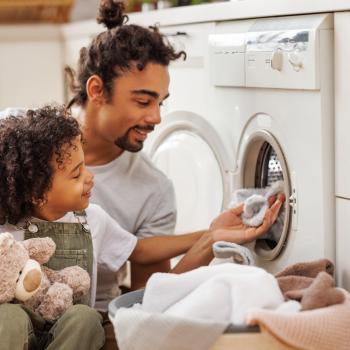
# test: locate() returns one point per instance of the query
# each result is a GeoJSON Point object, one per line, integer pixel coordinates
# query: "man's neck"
{"type": "Point", "coordinates": [97, 151]}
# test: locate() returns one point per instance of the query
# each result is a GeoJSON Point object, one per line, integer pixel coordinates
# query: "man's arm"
{"type": "Point", "coordinates": [198, 245]}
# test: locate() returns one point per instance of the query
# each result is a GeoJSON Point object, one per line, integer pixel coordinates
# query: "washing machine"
{"type": "Point", "coordinates": [191, 146]}
{"type": "Point", "coordinates": [272, 79]}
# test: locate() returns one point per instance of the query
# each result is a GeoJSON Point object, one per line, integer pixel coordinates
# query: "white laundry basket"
{"type": "Point", "coordinates": [234, 337]}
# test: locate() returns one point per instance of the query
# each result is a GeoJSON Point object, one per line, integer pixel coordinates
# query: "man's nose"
{"type": "Point", "coordinates": [154, 116]}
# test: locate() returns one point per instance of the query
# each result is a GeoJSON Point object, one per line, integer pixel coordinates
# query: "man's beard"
{"type": "Point", "coordinates": [124, 143]}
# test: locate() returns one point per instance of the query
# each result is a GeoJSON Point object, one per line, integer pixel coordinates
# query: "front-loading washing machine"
{"type": "Point", "coordinates": [274, 83]}
{"type": "Point", "coordinates": [191, 146]}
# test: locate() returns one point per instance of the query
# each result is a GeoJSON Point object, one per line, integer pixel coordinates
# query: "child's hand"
{"type": "Point", "coordinates": [229, 227]}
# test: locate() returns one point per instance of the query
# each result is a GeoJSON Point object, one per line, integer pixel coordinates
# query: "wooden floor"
{"type": "Point", "coordinates": [250, 341]}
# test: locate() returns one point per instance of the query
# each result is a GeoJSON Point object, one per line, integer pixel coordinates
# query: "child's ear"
{"type": "Point", "coordinates": [38, 202]}
{"type": "Point", "coordinates": [95, 90]}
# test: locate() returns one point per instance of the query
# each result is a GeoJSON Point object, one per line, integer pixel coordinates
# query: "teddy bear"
{"type": "Point", "coordinates": [23, 278]}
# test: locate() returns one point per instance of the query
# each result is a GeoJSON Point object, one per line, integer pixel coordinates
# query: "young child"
{"type": "Point", "coordinates": [44, 192]}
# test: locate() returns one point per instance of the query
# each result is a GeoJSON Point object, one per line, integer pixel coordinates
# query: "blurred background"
{"type": "Point", "coordinates": [38, 38]}
{"type": "Point", "coordinates": [16, 11]}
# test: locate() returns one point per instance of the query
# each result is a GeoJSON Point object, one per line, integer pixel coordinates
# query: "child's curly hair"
{"type": "Point", "coordinates": [28, 144]}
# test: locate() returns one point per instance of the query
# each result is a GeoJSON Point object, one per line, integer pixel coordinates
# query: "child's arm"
{"type": "Point", "coordinates": [158, 248]}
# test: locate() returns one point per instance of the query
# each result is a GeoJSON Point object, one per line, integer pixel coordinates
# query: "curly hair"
{"type": "Point", "coordinates": [28, 144]}
{"type": "Point", "coordinates": [118, 50]}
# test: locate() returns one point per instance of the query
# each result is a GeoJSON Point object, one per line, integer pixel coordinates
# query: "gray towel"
{"type": "Point", "coordinates": [255, 205]}
{"type": "Point", "coordinates": [232, 252]}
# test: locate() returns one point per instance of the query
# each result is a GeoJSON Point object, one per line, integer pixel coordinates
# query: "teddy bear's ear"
{"type": "Point", "coordinates": [40, 249]}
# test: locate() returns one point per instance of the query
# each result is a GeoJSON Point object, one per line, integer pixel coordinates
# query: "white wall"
{"type": "Point", "coordinates": [31, 65]}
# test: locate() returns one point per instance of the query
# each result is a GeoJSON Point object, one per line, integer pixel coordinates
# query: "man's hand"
{"type": "Point", "coordinates": [228, 219]}
{"type": "Point", "coordinates": [229, 227]}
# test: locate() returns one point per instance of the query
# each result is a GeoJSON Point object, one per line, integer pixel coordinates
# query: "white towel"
{"type": "Point", "coordinates": [136, 329]}
{"type": "Point", "coordinates": [208, 298]}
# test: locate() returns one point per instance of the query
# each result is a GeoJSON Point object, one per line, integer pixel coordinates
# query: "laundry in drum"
{"type": "Point", "coordinates": [255, 205]}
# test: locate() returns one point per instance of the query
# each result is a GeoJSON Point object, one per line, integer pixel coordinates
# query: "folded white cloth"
{"type": "Point", "coordinates": [231, 252]}
{"type": "Point", "coordinates": [209, 298]}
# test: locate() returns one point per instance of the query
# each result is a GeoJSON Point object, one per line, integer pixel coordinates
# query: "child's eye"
{"type": "Point", "coordinates": [77, 176]}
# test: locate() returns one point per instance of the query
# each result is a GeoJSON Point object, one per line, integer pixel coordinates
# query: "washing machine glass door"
{"type": "Point", "coordinates": [264, 163]}
{"type": "Point", "coordinates": [191, 163]}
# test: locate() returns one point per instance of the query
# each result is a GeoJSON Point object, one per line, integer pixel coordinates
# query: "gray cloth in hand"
{"type": "Point", "coordinates": [255, 205]}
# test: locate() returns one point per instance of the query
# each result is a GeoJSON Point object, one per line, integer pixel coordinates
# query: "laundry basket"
{"type": "Point", "coordinates": [27, 11]}
{"type": "Point", "coordinates": [234, 337]}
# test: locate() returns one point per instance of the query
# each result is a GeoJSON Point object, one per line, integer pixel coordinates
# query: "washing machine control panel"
{"type": "Point", "coordinates": [227, 54]}
{"type": "Point", "coordinates": [274, 53]}
{"type": "Point", "coordinates": [282, 59]}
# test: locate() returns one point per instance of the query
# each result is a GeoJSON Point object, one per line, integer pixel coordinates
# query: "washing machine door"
{"type": "Point", "coordinates": [261, 163]}
{"type": "Point", "coordinates": [189, 151]}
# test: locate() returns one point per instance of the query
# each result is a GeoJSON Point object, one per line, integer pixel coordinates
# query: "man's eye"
{"type": "Point", "coordinates": [143, 103]}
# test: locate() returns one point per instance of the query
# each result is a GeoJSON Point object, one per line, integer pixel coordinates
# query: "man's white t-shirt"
{"type": "Point", "coordinates": [140, 198]}
{"type": "Point", "coordinates": [112, 245]}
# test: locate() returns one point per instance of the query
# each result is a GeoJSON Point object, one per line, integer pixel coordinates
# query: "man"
{"type": "Point", "coordinates": [122, 81]}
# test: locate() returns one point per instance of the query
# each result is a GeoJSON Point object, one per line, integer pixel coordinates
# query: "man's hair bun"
{"type": "Point", "coordinates": [111, 13]}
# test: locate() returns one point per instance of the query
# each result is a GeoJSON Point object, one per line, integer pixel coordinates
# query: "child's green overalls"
{"type": "Point", "coordinates": [73, 243]}
{"type": "Point", "coordinates": [73, 247]}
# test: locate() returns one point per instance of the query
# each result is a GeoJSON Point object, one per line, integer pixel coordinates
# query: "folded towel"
{"type": "Point", "coordinates": [311, 283]}
{"type": "Point", "coordinates": [231, 252]}
{"type": "Point", "coordinates": [320, 293]}
{"type": "Point", "coordinates": [320, 329]}
{"type": "Point", "coordinates": [308, 269]}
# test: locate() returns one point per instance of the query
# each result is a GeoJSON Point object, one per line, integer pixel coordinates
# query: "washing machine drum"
{"type": "Point", "coordinates": [263, 164]}
{"type": "Point", "coordinates": [193, 165]}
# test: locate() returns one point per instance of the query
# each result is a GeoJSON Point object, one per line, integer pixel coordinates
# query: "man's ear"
{"type": "Point", "coordinates": [95, 90]}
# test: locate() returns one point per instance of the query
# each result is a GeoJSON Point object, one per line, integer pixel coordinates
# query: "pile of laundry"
{"type": "Point", "coordinates": [299, 305]}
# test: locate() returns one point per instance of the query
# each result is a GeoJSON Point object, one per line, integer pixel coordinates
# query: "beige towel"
{"type": "Point", "coordinates": [320, 329]}
{"type": "Point", "coordinates": [308, 269]}
{"type": "Point", "coordinates": [311, 283]}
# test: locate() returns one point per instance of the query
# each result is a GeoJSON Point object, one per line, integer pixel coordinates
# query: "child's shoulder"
{"type": "Point", "coordinates": [95, 210]}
